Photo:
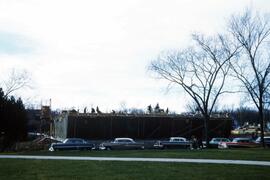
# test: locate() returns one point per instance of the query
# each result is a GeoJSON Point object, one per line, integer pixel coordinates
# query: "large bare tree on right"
{"type": "Point", "coordinates": [252, 33]}
{"type": "Point", "coordinates": [201, 71]}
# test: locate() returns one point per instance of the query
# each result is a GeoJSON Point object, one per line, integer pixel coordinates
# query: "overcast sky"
{"type": "Point", "coordinates": [96, 52]}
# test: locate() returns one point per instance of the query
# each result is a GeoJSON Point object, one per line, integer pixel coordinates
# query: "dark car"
{"type": "Point", "coordinates": [239, 143]}
{"type": "Point", "coordinates": [266, 140]}
{"type": "Point", "coordinates": [72, 144]}
{"type": "Point", "coordinates": [121, 144]}
{"type": "Point", "coordinates": [173, 143]}
{"type": "Point", "coordinates": [216, 141]}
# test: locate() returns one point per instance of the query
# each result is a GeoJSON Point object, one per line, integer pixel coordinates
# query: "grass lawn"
{"type": "Point", "coordinates": [236, 154]}
{"type": "Point", "coordinates": [66, 169]}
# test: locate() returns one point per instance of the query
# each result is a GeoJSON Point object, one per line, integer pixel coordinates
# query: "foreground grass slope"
{"type": "Point", "coordinates": [66, 169]}
{"type": "Point", "coordinates": [236, 154]}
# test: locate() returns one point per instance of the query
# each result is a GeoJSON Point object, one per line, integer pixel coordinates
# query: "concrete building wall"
{"type": "Point", "coordinates": [61, 126]}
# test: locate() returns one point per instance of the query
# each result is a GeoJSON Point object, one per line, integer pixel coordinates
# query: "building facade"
{"type": "Point", "coordinates": [141, 126]}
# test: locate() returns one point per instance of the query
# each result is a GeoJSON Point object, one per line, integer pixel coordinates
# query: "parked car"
{"type": "Point", "coordinates": [121, 144]}
{"type": "Point", "coordinates": [266, 140]}
{"type": "Point", "coordinates": [239, 143]}
{"type": "Point", "coordinates": [216, 141]}
{"type": "Point", "coordinates": [173, 142]}
{"type": "Point", "coordinates": [72, 144]}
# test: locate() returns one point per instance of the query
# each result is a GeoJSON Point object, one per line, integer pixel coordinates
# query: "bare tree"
{"type": "Point", "coordinates": [201, 71]}
{"type": "Point", "coordinates": [18, 79]}
{"type": "Point", "coordinates": [252, 33]}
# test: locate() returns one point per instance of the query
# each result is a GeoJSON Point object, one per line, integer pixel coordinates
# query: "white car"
{"type": "Point", "coordinates": [121, 143]}
{"type": "Point", "coordinates": [216, 141]}
{"type": "Point", "coordinates": [173, 142]}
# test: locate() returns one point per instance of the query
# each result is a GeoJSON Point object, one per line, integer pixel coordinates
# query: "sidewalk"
{"type": "Point", "coordinates": [174, 160]}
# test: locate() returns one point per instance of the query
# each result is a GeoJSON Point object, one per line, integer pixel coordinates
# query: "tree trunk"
{"type": "Point", "coordinates": [206, 138]}
{"type": "Point", "coordinates": [261, 120]}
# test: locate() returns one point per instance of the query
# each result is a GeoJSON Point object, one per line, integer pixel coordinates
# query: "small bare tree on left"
{"type": "Point", "coordinates": [17, 79]}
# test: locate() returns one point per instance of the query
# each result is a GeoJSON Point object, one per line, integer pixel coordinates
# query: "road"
{"type": "Point", "coordinates": [174, 160]}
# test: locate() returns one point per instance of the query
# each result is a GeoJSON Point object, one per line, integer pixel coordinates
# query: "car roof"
{"type": "Point", "coordinates": [177, 137]}
{"type": "Point", "coordinates": [75, 139]}
{"type": "Point", "coordinates": [242, 138]}
{"type": "Point", "coordinates": [219, 139]}
{"type": "Point", "coordinates": [124, 139]}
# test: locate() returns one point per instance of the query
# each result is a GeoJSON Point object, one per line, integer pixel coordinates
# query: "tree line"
{"type": "Point", "coordinates": [13, 121]}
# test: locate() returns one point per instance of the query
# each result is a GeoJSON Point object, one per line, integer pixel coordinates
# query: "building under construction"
{"type": "Point", "coordinates": [40, 120]}
{"type": "Point", "coordinates": [138, 126]}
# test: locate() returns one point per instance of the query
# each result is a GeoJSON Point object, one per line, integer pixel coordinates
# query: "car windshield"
{"type": "Point", "coordinates": [265, 138]}
{"type": "Point", "coordinates": [241, 140]}
{"type": "Point", "coordinates": [220, 140]}
{"type": "Point", "coordinates": [124, 141]}
{"type": "Point", "coordinates": [178, 139]}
